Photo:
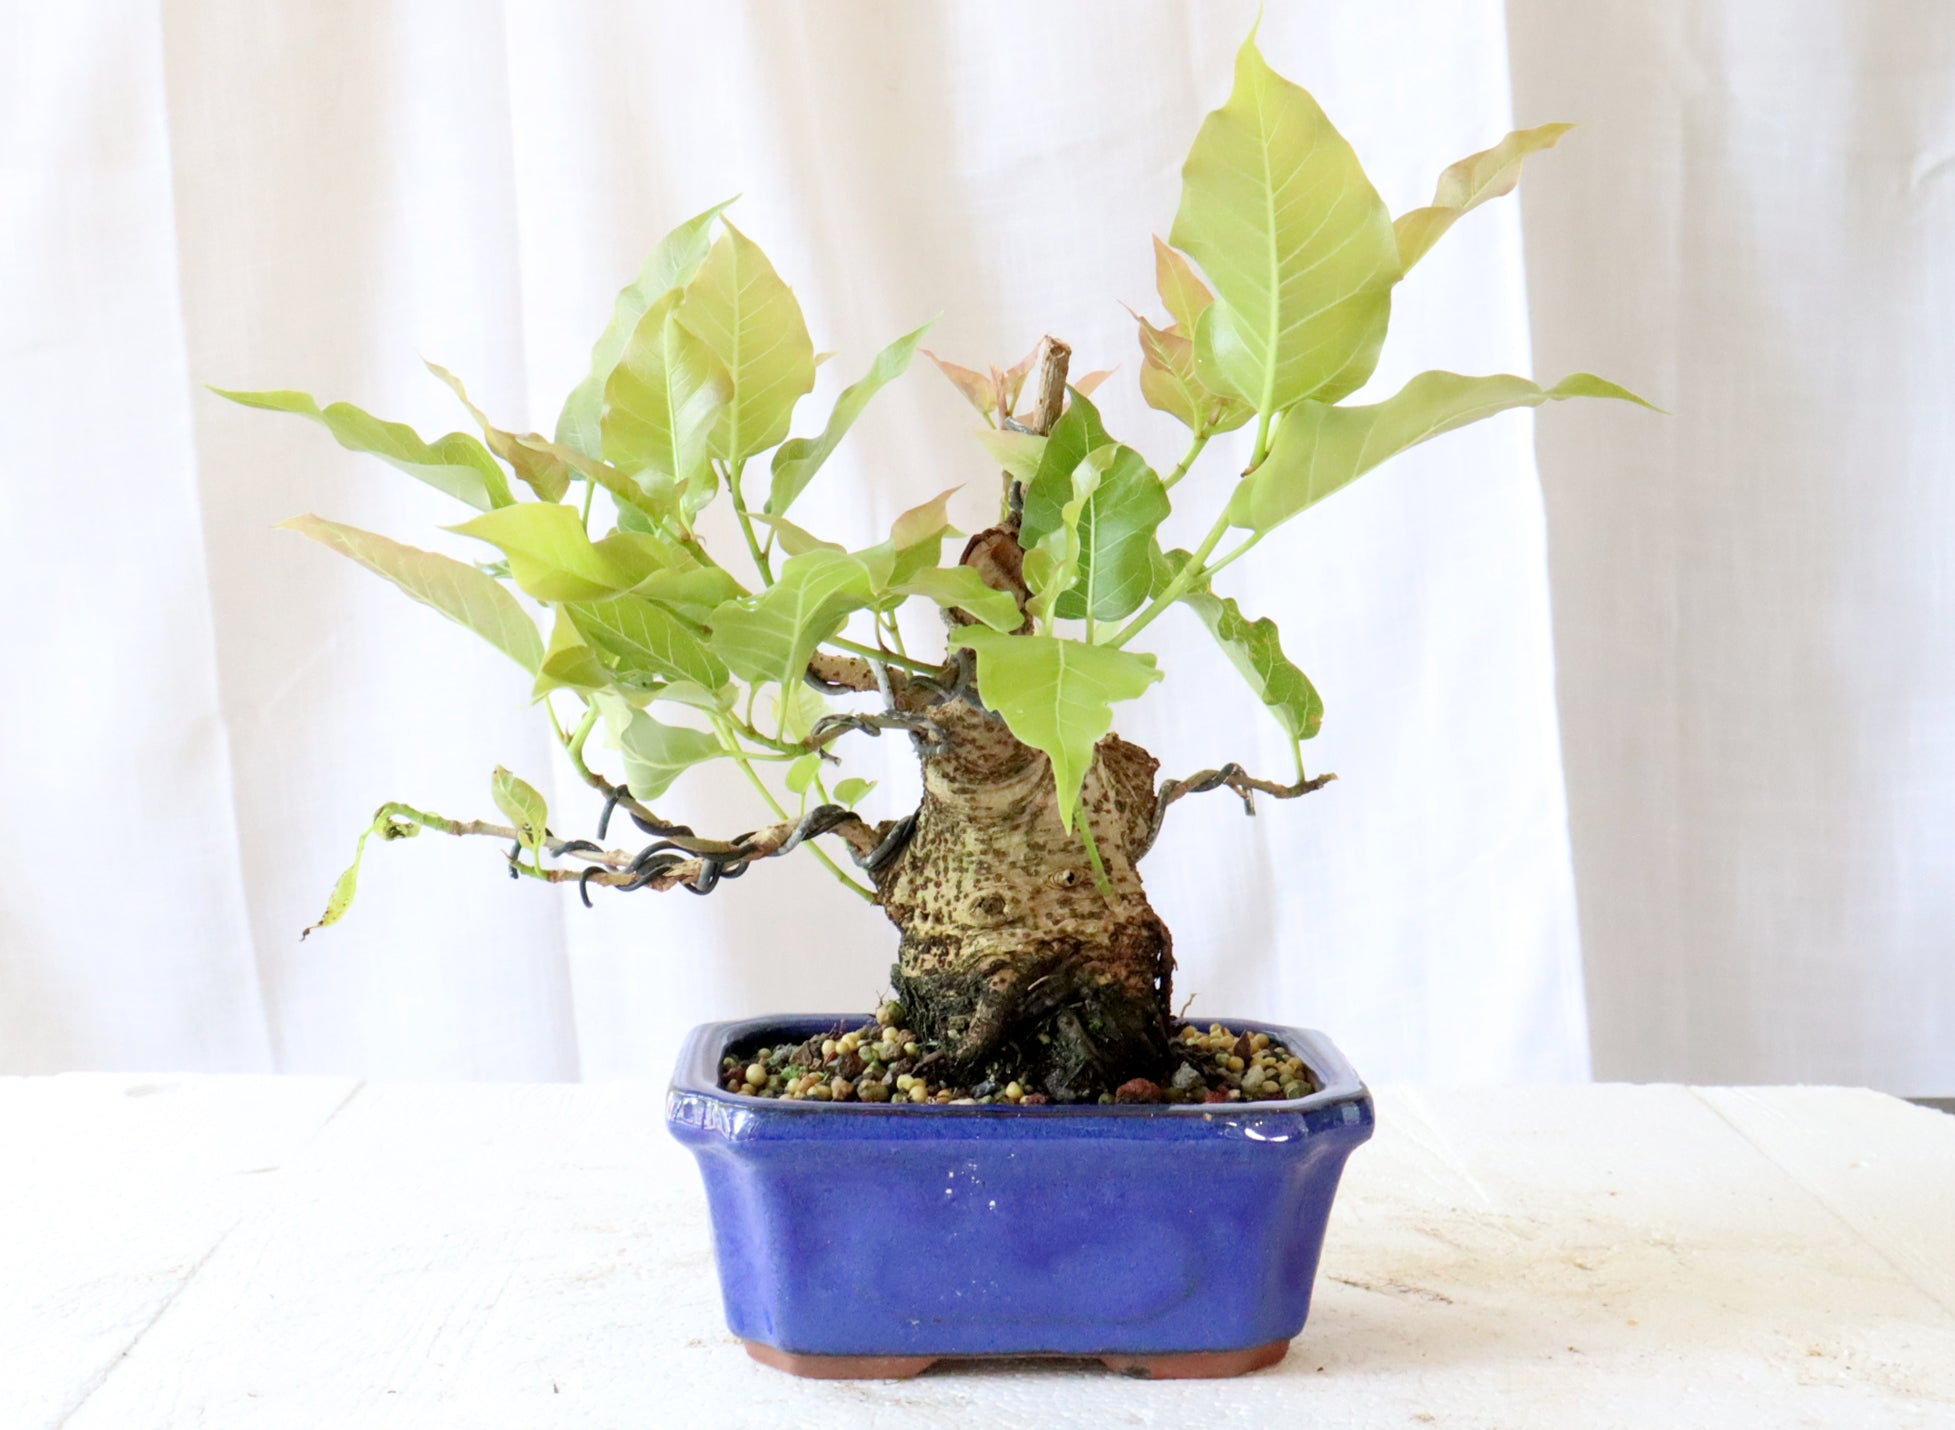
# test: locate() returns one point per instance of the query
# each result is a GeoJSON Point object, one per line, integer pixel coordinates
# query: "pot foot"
{"type": "Point", "coordinates": [840, 1367]}
{"type": "Point", "coordinates": [1199, 1365]}
{"type": "Point", "coordinates": [1179, 1365]}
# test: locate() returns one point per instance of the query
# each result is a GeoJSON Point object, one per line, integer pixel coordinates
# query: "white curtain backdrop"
{"type": "Point", "coordinates": [1750, 599]}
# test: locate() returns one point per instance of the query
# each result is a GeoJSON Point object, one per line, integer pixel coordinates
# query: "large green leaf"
{"type": "Point", "coordinates": [960, 588]}
{"type": "Point", "coordinates": [1077, 432]}
{"type": "Point", "coordinates": [1320, 448]}
{"type": "Point", "coordinates": [529, 456]}
{"type": "Point", "coordinates": [656, 754]}
{"type": "Point", "coordinates": [1051, 564]}
{"type": "Point", "coordinates": [739, 307]}
{"type": "Point", "coordinates": [797, 461]}
{"type": "Point", "coordinates": [1468, 184]}
{"type": "Point", "coordinates": [569, 663]}
{"type": "Point", "coordinates": [1254, 648]}
{"type": "Point", "coordinates": [1116, 540]}
{"type": "Point", "coordinates": [552, 559]}
{"type": "Point", "coordinates": [671, 266]}
{"type": "Point", "coordinates": [1278, 212]}
{"type": "Point", "coordinates": [770, 637]}
{"type": "Point", "coordinates": [457, 464]}
{"type": "Point", "coordinates": [1057, 695]}
{"type": "Point", "coordinates": [455, 589]}
{"type": "Point", "coordinates": [660, 406]}
{"type": "Point", "coordinates": [647, 638]}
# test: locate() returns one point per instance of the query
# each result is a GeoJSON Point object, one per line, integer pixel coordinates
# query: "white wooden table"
{"type": "Point", "coordinates": [260, 1252]}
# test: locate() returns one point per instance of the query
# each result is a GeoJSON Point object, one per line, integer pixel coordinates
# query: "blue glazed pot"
{"type": "Point", "coordinates": [898, 1234]}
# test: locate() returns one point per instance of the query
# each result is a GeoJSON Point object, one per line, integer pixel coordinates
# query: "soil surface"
{"type": "Point", "coordinates": [883, 1061]}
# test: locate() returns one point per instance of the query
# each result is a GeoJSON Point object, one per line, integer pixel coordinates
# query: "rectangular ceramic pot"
{"type": "Point", "coordinates": [862, 1238]}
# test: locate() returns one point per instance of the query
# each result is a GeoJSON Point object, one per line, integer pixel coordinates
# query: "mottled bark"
{"type": "Point", "coordinates": [1012, 953]}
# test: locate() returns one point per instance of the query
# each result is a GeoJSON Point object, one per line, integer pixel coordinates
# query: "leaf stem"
{"type": "Point", "coordinates": [1194, 451]}
{"type": "Point", "coordinates": [780, 812]}
{"type": "Point", "coordinates": [1194, 571]}
{"type": "Point", "coordinates": [887, 657]}
{"type": "Point", "coordinates": [746, 523]}
{"type": "Point", "coordinates": [1262, 439]}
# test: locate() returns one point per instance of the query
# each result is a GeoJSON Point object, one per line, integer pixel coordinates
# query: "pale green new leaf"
{"type": "Point", "coordinates": [915, 543]}
{"type": "Point", "coordinates": [739, 307]}
{"type": "Point", "coordinates": [648, 639]}
{"type": "Point", "coordinates": [552, 559]}
{"type": "Point", "coordinates": [1468, 184]}
{"type": "Point", "coordinates": [1077, 432]}
{"type": "Point", "coordinates": [1278, 212]}
{"type": "Point", "coordinates": [1017, 452]}
{"type": "Point", "coordinates": [801, 773]}
{"type": "Point", "coordinates": [852, 791]}
{"type": "Point", "coordinates": [960, 588]}
{"type": "Point", "coordinates": [523, 807]}
{"type": "Point", "coordinates": [1057, 695]}
{"type": "Point", "coordinates": [796, 707]}
{"type": "Point", "coordinates": [1116, 538]}
{"type": "Point", "coordinates": [529, 456]}
{"type": "Point", "coordinates": [1254, 649]}
{"type": "Point", "coordinates": [661, 405]}
{"type": "Point", "coordinates": [1320, 449]}
{"type": "Point", "coordinates": [798, 460]}
{"type": "Point", "coordinates": [695, 592]}
{"type": "Point", "coordinates": [457, 464]}
{"type": "Point", "coordinates": [452, 587]}
{"type": "Point", "coordinates": [669, 268]}
{"type": "Point", "coordinates": [770, 637]}
{"type": "Point", "coordinates": [656, 754]}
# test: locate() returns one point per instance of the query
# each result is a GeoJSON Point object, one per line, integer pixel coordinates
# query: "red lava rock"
{"type": "Point", "coordinates": [1034, 1099]}
{"type": "Point", "coordinates": [1137, 1090]}
{"type": "Point", "coordinates": [1216, 1094]}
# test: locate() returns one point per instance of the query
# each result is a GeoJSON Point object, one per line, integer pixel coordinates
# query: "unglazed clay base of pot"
{"type": "Point", "coordinates": [1188, 1365]}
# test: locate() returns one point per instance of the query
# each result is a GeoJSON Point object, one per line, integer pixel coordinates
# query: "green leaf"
{"type": "Point", "coordinates": [656, 754]}
{"type": "Point", "coordinates": [670, 267]}
{"type": "Point", "coordinates": [915, 543]}
{"type": "Point", "coordinates": [1170, 384]}
{"type": "Point", "coordinates": [523, 807]}
{"type": "Point", "coordinates": [960, 588]}
{"type": "Point", "coordinates": [457, 464]}
{"type": "Point", "coordinates": [1468, 184]}
{"type": "Point", "coordinates": [1057, 695]}
{"type": "Point", "coordinates": [1185, 296]}
{"type": "Point", "coordinates": [1278, 212]}
{"type": "Point", "coordinates": [852, 791]}
{"type": "Point", "coordinates": [1051, 565]}
{"type": "Point", "coordinates": [550, 557]}
{"type": "Point", "coordinates": [660, 406]}
{"type": "Point", "coordinates": [739, 307]}
{"type": "Point", "coordinates": [1116, 539]}
{"type": "Point", "coordinates": [1017, 452]}
{"type": "Point", "coordinates": [1320, 449]}
{"type": "Point", "coordinates": [531, 458]}
{"type": "Point", "coordinates": [568, 663]}
{"type": "Point", "coordinates": [1254, 649]}
{"type": "Point", "coordinates": [694, 593]}
{"type": "Point", "coordinates": [801, 774]}
{"type": "Point", "coordinates": [1077, 432]}
{"type": "Point", "coordinates": [798, 460]}
{"type": "Point", "coordinates": [770, 637]}
{"type": "Point", "coordinates": [647, 638]}
{"type": "Point", "coordinates": [796, 707]}
{"type": "Point", "coordinates": [452, 587]}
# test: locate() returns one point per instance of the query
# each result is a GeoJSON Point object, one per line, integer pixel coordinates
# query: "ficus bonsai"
{"type": "Point", "coordinates": [1027, 943]}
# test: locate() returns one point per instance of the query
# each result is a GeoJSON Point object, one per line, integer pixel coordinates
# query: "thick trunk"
{"type": "Point", "coordinates": [1013, 956]}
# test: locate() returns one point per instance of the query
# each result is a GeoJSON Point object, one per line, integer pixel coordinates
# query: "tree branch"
{"type": "Point", "coordinates": [1231, 776]}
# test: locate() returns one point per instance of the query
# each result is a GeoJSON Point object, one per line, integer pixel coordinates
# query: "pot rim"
{"type": "Point", "coordinates": [697, 1076]}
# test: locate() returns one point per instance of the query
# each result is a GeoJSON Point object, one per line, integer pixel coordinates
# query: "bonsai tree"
{"type": "Point", "coordinates": [1027, 944]}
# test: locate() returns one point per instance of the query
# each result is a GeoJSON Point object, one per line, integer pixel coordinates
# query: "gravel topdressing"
{"type": "Point", "coordinates": [882, 1061]}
